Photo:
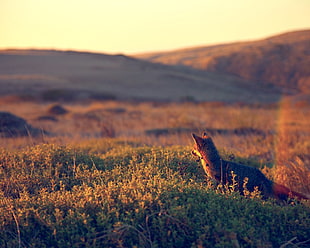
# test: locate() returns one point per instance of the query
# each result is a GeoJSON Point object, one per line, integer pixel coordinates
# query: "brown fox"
{"type": "Point", "coordinates": [221, 170]}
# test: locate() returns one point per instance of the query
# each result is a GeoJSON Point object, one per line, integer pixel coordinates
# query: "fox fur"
{"type": "Point", "coordinates": [222, 170]}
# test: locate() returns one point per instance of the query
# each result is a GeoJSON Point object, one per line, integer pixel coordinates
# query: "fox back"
{"type": "Point", "coordinates": [222, 171]}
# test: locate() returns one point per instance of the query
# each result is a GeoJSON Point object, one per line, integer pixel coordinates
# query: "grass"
{"type": "Point", "coordinates": [131, 196]}
{"type": "Point", "coordinates": [84, 187]}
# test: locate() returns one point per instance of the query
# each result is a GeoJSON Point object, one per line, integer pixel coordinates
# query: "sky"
{"type": "Point", "coordinates": [137, 26]}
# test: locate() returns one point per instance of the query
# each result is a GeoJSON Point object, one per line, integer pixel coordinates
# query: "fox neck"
{"type": "Point", "coordinates": [210, 153]}
{"type": "Point", "coordinates": [211, 162]}
{"type": "Point", "coordinates": [210, 159]}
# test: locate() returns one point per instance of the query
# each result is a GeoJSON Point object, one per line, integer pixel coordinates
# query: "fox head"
{"type": "Point", "coordinates": [207, 154]}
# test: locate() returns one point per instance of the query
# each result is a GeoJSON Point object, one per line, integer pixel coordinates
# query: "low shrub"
{"type": "Point", "coordinates": [53, 196]}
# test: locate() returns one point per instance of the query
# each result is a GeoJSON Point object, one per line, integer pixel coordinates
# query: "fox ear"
{"type": "Point", "coordinates": [205, 135]}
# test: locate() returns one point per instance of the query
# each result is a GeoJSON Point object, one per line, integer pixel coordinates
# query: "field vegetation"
{"type": "Point", "coordinates": [121, 174]}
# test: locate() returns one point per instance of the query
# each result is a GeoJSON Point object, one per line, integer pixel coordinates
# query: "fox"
{"type": "Point", "coordinates": [222, 171]}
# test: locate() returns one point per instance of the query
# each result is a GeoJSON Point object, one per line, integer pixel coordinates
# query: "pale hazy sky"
{"type": "Point", "coordinates": [132, 26]}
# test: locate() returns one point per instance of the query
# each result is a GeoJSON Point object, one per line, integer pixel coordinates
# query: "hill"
{"type": "Point", "coordinates": [69, 75]}
{"type": "Point", "coordinates": [282, 60]}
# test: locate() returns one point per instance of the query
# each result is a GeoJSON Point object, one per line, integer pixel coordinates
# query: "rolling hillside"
{"type": "Point", "coordinates": [68, 75]}
{"type": "Point", "coordinates": [283, 60]}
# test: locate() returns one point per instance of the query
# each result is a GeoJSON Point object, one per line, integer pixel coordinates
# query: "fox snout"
{"type": "Point", "coordinates": [199, 141]}
{"type": "Point", "coordinates": [198, 144]}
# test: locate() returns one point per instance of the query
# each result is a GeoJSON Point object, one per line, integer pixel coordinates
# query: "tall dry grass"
{"type": "Point", "coordinates": [292, 147]}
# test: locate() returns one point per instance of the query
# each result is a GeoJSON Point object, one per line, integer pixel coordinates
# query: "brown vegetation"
{"type": "Point", "coordinates": [266, 134]}
{"type": "Point", "coordinates": [101, 180]}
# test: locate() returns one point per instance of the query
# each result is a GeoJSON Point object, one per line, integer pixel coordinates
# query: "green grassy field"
{"type": "Point", "coordinates": [121, 174]}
